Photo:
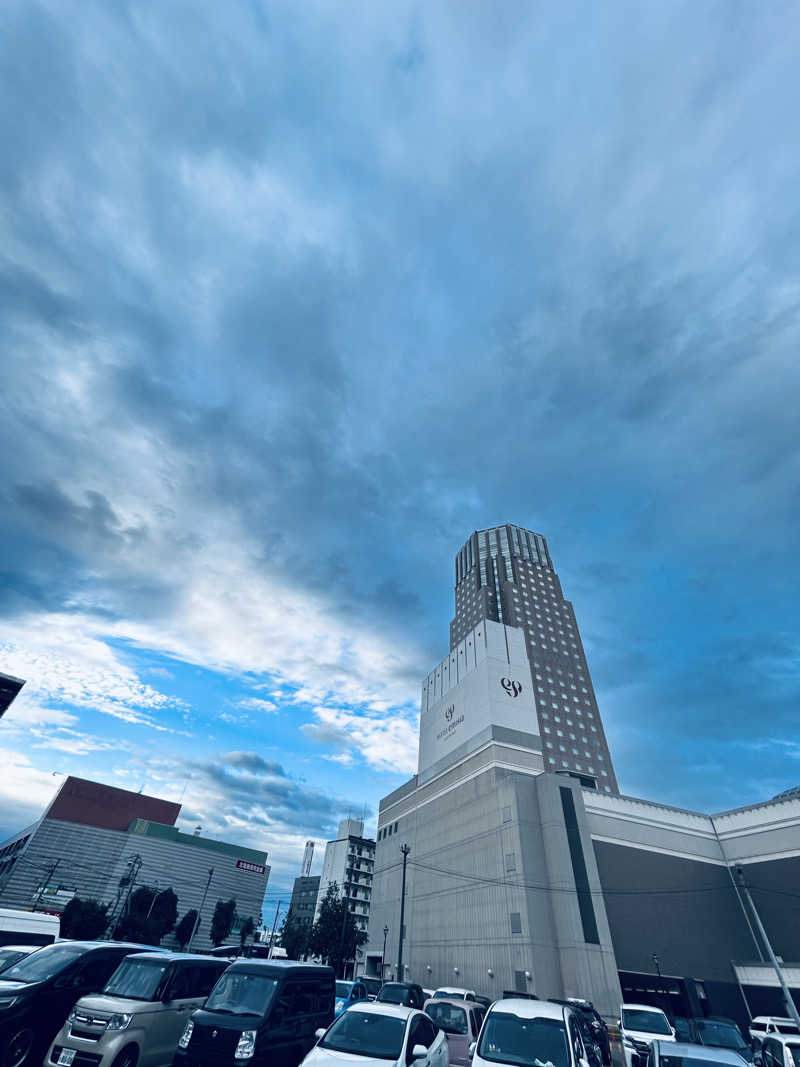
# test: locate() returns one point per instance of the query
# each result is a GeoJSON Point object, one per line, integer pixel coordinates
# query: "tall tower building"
{"type": "Point", "coordinates": [505, 574]}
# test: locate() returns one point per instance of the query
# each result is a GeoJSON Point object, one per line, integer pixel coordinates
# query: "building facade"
{"type": "Point", "coordinates": [505, 574]}
{"type": "Point", "coordinates": [531, 873]}
{"type": "Point", "coordinates": [93, 839]}
{"type": "Point", "coordinates": [349, 861]}
{"type": "Point", "coordinates": [303, 904]}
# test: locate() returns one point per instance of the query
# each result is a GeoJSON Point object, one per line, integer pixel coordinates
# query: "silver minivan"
{"type": "Point", "coordinates": [140, 1014]}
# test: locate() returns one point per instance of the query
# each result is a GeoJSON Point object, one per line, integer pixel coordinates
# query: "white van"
{"type": "Point", "coordinates": [19, 927]}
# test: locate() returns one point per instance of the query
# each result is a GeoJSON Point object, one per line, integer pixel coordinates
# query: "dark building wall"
{"type": "Point", "coordinates": [108, 808]}
{"type": "Point", "coordinates": [775, 888]}
{"type": "Point", "coordinates": [685, 911]}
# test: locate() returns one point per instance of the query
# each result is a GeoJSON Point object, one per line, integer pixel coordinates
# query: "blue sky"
{"type": "Point", "coordinates": [293, 297]}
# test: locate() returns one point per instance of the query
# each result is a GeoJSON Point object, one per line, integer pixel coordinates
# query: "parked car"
{"type": "Point", "coordinates": [718, 1032]}
{"type": "Point", "coordinates": [406, 993]}
{"type": "Point", "coordinates": [348, 993]}
{"type": "Point", "coordinates": [780, 1050]}
{"type": "Point", "coordinates": [11, 954]}
{"type": "Point", "coordinates": [140, 1014]}
{"type": "Point", "coordinates": [28, 927]}
{"type": "Point", "coordinates": [666, 1053]}
{"type": "Point", "coordinates": [377, 1033]}
{"type": "Point", "coordinates": [522, 1031]}
{"type": "Point", "coordinates": [453, 992]}
{"type": "Point", "coordinates": [37, 993]}
{"type": "Point", "coordinates": [598, 1027]}
{"type": "Point", "coordinates": [591, 1042]}
{"type": "Point", "coordinates": [373, 985]}
{"type": "Point", "coordinates": [764, 1025]}
{"type": "Point", "coordinates": [640, 1025]}
{"type": "Point", "coordinates": [262, 1011]}
{"type": "Point", "coordinates": [461, 1021]}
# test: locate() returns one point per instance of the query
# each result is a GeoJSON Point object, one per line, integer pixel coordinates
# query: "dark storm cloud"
{"type": "Point", "coordinates": [364, 291]}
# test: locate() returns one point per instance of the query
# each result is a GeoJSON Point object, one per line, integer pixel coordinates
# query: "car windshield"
{"type": "Point", "coordinates": [452, 993]}
{"type": "Point", "coordinates": [721, 1035]}
{"type": "Point", "coordinates": [9, 956]}
{"type": "Point", "coordinates": [786, 1028]}
{"type": "Point", "coordinates": [647, 1022]}
{"type": "Point", "coordinates": [43, 964]}
{"type": "Point", "coordinates": [686, 1061]}
{"type": "Point", "coordinates": [448, 1017]}
{"type": "Point", "coordinates": [242, 993]}
{"type": "Point", "coordinates": [343, 989]}
{"type": "Point", "coordinates": [363, 1033]}
{"type": "Point", "coordinates": [394, 994]}
{"type": "Point", "coordinates": [136, 979]}
{"type": "Point", "coordinates": [507, 1038]}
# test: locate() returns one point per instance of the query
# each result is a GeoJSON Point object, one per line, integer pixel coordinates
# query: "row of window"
{"type": "Point", "coordinates": [387, 831]}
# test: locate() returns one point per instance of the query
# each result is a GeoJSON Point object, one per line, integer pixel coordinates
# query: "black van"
{"type": "Point", "coordinates": [37, 993]}
{"type": "Point", "coordinates": [259, 1012]}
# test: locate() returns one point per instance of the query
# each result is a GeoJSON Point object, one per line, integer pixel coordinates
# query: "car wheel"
{"type": "Point", "coordinates": [127, 1058]}
{"type": "Point", "coordinates": [18, 1048]}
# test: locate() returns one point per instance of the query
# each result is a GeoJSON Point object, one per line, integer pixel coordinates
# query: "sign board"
{"type": "Point", "coordinates": [481, 684]}
{"type": "Point", "coordinates": [246, 865]}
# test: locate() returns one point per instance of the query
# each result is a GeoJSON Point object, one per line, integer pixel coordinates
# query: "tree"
{"type": "Point", "coordinates": [84, 920]}
{"type": "Point", "coordinates": [222, 920]}
{"type": "Point", "coordinates": [335, 935]}
{"type": "Point", "coordinates": [247, 929]}
{"type": "Point", "coordinates": [185, 928]}
{"type": "Point", "coordinates": [150, 915]}
{"type": "Point", "coordinates": [293, 936]}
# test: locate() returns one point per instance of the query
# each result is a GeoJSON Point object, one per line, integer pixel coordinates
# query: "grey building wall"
{"type": "Point", "coordinates": [490, 887]}
{"type": "Point", "coordinates": [92, 861]}
{"type": "Point", "coordinates": [505, 574]}
{"type": "Point", "coordinates": [304, 899]}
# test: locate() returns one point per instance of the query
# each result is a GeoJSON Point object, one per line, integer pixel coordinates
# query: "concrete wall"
{"type": "Point", "coordinates": [490, 886]}
{"type": "Point", "coordinates": [93, 861]}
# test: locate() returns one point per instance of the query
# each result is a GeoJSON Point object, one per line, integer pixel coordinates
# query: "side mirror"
{"type": "Point", "coordinates": [471, 1049]}
{"type": "Point", "coordinates": [419, 1052]}
{"type": "Point", "coordinates": [319, 1033]}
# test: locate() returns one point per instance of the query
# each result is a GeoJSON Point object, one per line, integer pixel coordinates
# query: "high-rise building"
{"type": "Point", "coordinates": [9, 688]}
{"type": "Point", "coordinates": [304, 899]}
{"type": "Point", "coordinates": [505, 574]}
{"type": "Point", "coordinates": [349, 860]}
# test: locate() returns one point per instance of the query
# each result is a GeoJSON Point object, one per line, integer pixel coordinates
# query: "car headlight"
{"type": "Point", "coordinates": [246, 1046]}
{"type": "Point", "coordinates": [118, 1022]}
{"type": "Point", "coordinates": [6, 1002]}
{"type": "Point", "coordinates": [186, 1036]}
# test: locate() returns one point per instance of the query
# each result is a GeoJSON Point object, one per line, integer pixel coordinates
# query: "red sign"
{"type": "Point", "coordinates": [246, 865]}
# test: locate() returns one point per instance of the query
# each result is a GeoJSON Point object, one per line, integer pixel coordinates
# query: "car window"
{"type": "Point", "coordinates": [477, 1020]}
{"type": "Point", "coordinates": [426, 1031]}
{"type": "Point", "coordinates": [646, 1022]}
{"type": "Point", "coordinates": [413, 1039]}
{"type": "Point", "coordinates": [97, 969]}
{"type": "Point", "coordinates": [451, 1018]}
{"type": "Point", "coordinates": [304, 998]}
{"type": "Point", "coordinates": [575, 1038]}
{"type": "Point", "coordinates": [510, 1039]}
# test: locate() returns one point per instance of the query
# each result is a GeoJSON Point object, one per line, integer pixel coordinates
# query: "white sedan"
{"type": "Point", "coordinates": [379, 1035]}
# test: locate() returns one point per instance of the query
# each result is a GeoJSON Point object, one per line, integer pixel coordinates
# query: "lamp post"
{"type": "Point", "coordinates": [383, 954]}
{"type": "Point", "coordinates": [657, 962]}
{"type": "Point", "coordinates": [405, 850]}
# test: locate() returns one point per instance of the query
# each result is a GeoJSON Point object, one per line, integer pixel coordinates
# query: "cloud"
{"type": "Point", "coordinates": [257, 704]}
{"type": "Point", "coordinates": [273, 345]}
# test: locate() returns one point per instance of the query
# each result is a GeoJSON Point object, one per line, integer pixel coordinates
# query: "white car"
{"type": "Point", "coordinates": [780, 1050]}
{"type": "Point", "coordinates": [517, 1032]}
{"type": "Point", "coordinates": [373, 1034]}
{"type": "Point", "coordinates": [640, 1025]}
{"type": "Point", "coordinates": [763, 1025]}
{"type": "Point", "coordinates": [454, 993]}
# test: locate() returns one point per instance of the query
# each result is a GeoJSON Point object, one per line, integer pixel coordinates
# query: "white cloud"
{"type": "Point", "coordinates": [387, 743]}
{"type": "Point", "coordinates": [25, 790]}
{"type": "Point", "coordinates": [257, 704]}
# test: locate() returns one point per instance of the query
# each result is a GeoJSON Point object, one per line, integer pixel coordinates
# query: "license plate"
{"type": "Point", "coordinates": [66, 1056]}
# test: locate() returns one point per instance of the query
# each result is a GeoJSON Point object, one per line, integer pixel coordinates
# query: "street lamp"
{"type": "Point", "coordinates": [657, 962]}
{"type": "Point", "coordinates": [383, 954]}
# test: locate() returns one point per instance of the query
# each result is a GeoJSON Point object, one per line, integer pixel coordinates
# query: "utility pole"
{"type": "Point", "coordinates": [156, 895]}
{"type": "Point", "coordinates": [791, 1007]}
{"type": "Point", "coordinates": [383, 954]}
{"type": "Point", "coordinates": [272, 935]}
{"type": "Point", "coordinates": [200, 912]}
{"type": "Point", "coordinates": [49, 875]}
{"type": "Point", "coordinates": [405, 850]}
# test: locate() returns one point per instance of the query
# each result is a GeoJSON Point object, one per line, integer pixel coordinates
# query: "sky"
{"type": "Point", "coordinates": [293, 297]}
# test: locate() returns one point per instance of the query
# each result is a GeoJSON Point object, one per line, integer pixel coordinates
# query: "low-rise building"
{"type": "Point", "coordinates": [103, 842]}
